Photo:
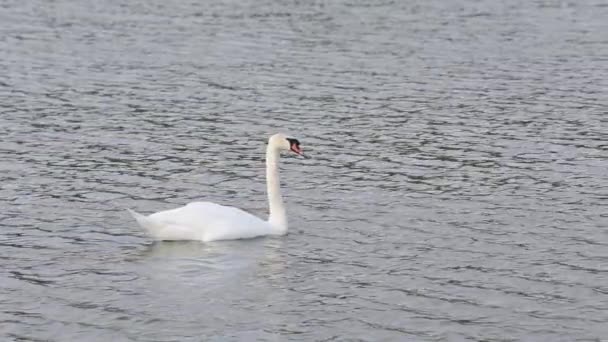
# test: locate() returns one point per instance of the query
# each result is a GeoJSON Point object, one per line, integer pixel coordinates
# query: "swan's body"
{"type": "Point", "coordinates": [206, 221]}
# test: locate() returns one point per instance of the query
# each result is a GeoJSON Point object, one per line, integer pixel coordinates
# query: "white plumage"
{"type": "Point", "coordinates": [206, 221]}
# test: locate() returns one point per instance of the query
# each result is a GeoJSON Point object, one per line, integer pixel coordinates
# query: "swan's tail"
{"type": "Point", "coordinates": [137, 216]}
{"type": "Point", "coordinates": [163, 231]}
{"type": "Point", "coordinates": [145, 222]}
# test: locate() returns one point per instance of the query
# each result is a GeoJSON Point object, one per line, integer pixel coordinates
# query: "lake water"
{"type": "Point", "coordinates": [457, 190]}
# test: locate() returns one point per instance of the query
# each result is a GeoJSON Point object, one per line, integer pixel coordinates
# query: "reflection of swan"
{"type": "Point", "coordinates": [212, 255]}
{"type": "Point", "coordinates": [206, 221]}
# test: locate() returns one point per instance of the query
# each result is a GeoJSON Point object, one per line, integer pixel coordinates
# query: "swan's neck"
{"type": "Point", "coordinates": [278, 216]}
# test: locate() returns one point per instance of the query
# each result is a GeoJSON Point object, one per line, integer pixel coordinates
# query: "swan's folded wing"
{"type": "Point", "coordinates": [209, 222]}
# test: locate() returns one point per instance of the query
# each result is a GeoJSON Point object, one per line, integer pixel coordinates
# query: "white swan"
{"type": "Point", "coordinates": [206, 221]}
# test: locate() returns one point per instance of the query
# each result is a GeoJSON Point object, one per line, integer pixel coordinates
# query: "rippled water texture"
{"type": "Point", "coordinates": [457, 190]}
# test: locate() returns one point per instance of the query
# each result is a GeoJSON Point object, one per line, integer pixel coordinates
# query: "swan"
{"type": "Point", "coordinates": [207, 221]}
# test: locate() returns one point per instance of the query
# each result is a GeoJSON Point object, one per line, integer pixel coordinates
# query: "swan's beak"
{"type": "Point", "coordinates": [297, 150]}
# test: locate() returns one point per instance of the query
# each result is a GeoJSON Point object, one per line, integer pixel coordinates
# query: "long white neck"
{"type": "Point", "coordinates": [278, 216]}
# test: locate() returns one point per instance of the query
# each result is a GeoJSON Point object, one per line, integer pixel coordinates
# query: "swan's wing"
{"type": "Point", "coordinates": [208, 222]}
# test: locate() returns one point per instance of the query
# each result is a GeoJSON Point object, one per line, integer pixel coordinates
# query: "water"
{"type": "Point", "coordinates": [458, 188]}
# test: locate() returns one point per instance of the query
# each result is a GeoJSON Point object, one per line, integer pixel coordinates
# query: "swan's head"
{"type": "Point", "coordinates": [283, 142]}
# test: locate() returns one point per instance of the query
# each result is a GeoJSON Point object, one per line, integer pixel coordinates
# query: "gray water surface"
{"type": "Point", "coordinates": [457, 190]}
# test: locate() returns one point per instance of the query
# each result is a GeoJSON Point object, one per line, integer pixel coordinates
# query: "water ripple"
{"type": "Point", "coordinates": [457, 186]}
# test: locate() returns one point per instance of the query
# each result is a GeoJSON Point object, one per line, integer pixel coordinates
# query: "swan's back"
{"type": "Point", "coordinates": [204, 221]}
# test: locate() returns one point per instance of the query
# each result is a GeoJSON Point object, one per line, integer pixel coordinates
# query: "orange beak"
{"type": "Point", "coordinates": [296, 149]}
